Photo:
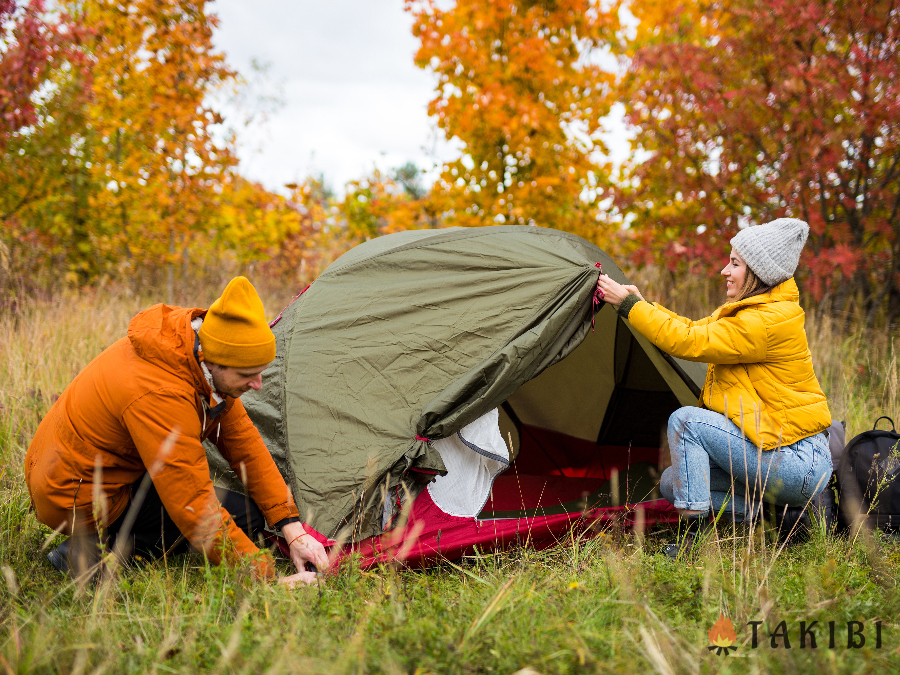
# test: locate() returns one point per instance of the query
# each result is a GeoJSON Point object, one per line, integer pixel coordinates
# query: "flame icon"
{"type": "Point", "coordinates": [722, 636]}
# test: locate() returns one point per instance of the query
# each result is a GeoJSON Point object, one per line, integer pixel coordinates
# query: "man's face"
{"type": "Point", "coordinates": [235, 382]}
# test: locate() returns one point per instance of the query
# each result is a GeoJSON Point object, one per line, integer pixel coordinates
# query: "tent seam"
{"type": "Point", "coordinates": [484, 453]}
{"type": "Point", "coordinates": [477, 232]}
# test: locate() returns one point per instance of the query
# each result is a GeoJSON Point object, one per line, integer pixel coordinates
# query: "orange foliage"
{"type": "Point", "coordinates": [520, 86]}
{"type": "Point", "coordinates": [378, 205]}
{"type": "Point", "coordinates": [311, 242]}
{"type": "Point", "coordinates": [154, 155]}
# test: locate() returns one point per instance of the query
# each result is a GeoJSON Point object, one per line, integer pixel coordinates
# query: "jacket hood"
{"type": "Point", "coordinates": [163, 336]}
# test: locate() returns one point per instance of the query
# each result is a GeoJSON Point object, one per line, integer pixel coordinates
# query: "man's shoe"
{"type": "Point", "coordinates": [59, 557]}
{"type": "Point", "coordinates": [77, 557]}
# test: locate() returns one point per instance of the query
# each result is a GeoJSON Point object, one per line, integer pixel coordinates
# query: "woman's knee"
{"type": "Point", "coordinates": [679, 419]}
{"type": "Point", "coordinates": [677, 426]}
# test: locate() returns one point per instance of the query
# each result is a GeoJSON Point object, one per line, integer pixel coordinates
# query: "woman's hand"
{"type": "Point", "coordinates": [613, 292]}
{"type": "Point", "coordinates": [304, 548]}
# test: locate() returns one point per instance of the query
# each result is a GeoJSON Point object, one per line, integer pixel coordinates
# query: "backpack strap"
{"type": "Point", "coordinates": [885, 417]}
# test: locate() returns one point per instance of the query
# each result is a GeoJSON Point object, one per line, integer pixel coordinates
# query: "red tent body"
{"type": "Point", "coordinates": [551, 470]}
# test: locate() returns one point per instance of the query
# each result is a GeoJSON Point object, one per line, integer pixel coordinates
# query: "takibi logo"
{"type": "Point", "coordinates": [722, 636]}
{"type": "Point", "coordinates": [810, 635]}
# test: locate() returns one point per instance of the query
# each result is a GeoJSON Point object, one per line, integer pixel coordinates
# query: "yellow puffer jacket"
{"type": "Point", "coordinates": [760, 374]}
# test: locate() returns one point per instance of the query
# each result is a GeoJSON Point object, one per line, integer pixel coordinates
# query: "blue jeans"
{"type": "Point", "coordinates": [712, 463]}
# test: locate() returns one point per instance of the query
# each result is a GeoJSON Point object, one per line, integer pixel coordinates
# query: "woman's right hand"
{"type": "Point", "coordinates": [613, 292]}
{"type": "Point", "coordinates": [634, 289]}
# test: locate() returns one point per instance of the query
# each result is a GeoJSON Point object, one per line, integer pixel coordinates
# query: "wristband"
{"type": "Point", "coordinates": [625, 306]}
{"type": "Point", "coordinates": [302, 534]}
{"type": "Point", "coordinates": [284, 521]}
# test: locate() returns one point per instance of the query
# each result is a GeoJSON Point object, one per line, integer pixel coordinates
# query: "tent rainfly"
{"type": "Point", "coordinates": [471, 371]}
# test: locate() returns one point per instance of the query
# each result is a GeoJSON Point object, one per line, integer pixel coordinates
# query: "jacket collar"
{"type": "Point", "coordinates": [786, 291]}
{"type": "Point", "coordinates": [213, 408]}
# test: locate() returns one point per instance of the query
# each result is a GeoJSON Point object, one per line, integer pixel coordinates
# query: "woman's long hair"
{"type": "Point", "coordinates": [753, 285]}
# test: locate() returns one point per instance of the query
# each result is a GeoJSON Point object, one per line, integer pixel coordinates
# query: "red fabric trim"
{"type": "Point", "coordinates": [418, 470]}
{"type": "Point", "coordinates": [598, 298]}
{"type": "Point", "coordinates": [293, 300]}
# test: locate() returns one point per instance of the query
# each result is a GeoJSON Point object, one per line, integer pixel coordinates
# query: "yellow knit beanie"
{"type": "Point", "coordinates": [234, 332]}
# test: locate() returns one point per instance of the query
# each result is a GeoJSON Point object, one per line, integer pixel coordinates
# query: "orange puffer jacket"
{"type": "Point", "coordinates": [117, 414]}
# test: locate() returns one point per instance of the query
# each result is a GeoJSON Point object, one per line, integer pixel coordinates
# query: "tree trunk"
{"type": "Point", "coordinates": [170, 282]}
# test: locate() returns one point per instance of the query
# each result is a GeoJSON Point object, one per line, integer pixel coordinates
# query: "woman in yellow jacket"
{"type": "Point", "coordinates": [758, 434]}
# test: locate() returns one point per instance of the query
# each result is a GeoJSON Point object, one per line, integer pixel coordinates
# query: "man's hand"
{"type": "Point", "coordinates": [304, 548]}
{"type": "Point", "coordinates": [294, 580]}
{"type": "Point", "coordinates": [613, 292]}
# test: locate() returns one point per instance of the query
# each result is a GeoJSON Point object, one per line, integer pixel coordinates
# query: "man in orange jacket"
{"type": "Point", "coordinates": [120, 451]}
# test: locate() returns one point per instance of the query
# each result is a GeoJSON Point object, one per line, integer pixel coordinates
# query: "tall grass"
{"type": "Point", "coordinates": [590, 604]}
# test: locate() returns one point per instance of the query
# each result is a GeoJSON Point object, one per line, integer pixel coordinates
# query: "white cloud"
{"type": "Point", "coordinates": [352, 96]}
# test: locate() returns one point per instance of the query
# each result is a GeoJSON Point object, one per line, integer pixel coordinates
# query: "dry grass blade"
{"type": "Point", "coordinates": [469, 574]}
{"type": "Point", "coordinates": [497, 603]}
{"type": "Point", "coordinates": [654, 653]}
{"type": "Point", "coordinates": [12, 584]}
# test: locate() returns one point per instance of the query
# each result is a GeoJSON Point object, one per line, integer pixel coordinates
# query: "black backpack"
{"type": "Point", "coordinates": [868, 479]}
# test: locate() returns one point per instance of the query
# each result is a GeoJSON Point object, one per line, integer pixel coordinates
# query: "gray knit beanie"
{"type": "Point", "coordinates": [772, 250]}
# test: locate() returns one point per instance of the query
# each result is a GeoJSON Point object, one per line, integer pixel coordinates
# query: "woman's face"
{"type": "Point", "coordinates": [735, 274]}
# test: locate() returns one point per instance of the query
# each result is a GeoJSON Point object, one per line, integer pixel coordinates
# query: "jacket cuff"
{"type": "Point", "coordinates": [284, 521]}
{"type": "Point", "coordinates": [625, 306]}
{"type": "Point", "coordinates": [282, 512]}
{"type": "Point", "coordinates": [264, 567]}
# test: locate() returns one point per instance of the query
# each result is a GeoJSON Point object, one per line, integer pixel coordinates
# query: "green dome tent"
{"type": "Point", "coordinates": [412, 336]}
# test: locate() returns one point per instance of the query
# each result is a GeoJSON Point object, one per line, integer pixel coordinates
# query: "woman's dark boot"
{"type": "Point", "coordinates": [688, 532]}
{"type": "Point", "coordinates": [793, 524]}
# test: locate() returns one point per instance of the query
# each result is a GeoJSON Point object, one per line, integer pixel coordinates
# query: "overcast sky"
{"type": "Point", "coordinates": [352, 96]}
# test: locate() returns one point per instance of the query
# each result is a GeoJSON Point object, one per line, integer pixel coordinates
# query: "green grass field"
{"type": "Point", "coordinates": [600, 604]}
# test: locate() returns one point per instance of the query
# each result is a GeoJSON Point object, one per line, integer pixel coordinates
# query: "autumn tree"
{"type": "Point", "coordinates": [31, 47]}
{"type": "Point", "coordinates": [43, 86]}
{"type": "Point", "coordinates": [155, 150]}
{"type": "Point", "coordinates": [747, 110]}
{"type": "Point", "coordinates": [521, 87]}
{"type": "Point", "coordinates": [113, 162]}
{"type": "Point", "coordinates": [304, 253]}
{"type": "Point", "coordinates": [383, 203]}
{"type": "Point", "coordinates": [286, 238]}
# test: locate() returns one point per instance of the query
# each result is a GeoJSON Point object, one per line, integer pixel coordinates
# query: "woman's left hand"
{"type": "Point", "coordinates": [613, 292]}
